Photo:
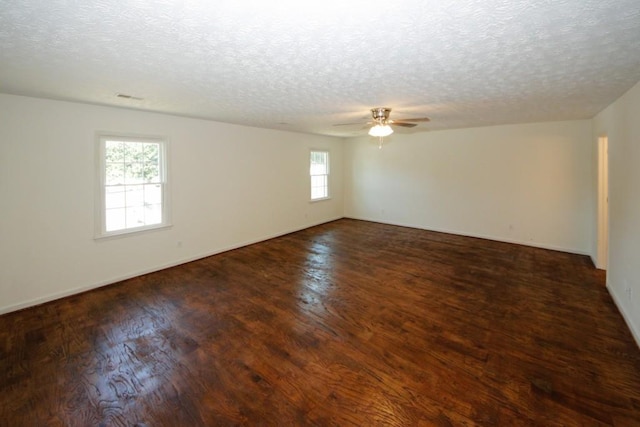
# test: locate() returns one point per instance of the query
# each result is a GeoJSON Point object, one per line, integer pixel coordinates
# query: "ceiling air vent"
{"type": "Point", "coordinates": [125, 96]}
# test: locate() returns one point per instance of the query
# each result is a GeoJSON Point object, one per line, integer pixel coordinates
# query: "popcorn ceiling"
{"type": "Point", "coordinates": [303, 67]}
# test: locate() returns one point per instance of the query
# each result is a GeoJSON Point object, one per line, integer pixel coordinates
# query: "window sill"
{"type": "Point", "coordinates": [319, 200]}
{"type": "Point", "coordinates": [131, 232]}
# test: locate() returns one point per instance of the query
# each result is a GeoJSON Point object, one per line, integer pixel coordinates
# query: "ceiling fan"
{"type": "Point", "coordinates": [382, 124]}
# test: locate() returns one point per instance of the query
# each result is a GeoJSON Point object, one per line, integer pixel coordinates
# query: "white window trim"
{"type": "Point", "coordinates": [328, 197]}
{"type": "Point", "coordinates": [100, 208]}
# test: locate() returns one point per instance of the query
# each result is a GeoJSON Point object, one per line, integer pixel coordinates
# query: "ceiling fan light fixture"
{"type": "Point", "coordinates": [380, 130]}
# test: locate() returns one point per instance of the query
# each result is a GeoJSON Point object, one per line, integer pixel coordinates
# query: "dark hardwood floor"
{"type": "Point", "coordinates": [347, 323]}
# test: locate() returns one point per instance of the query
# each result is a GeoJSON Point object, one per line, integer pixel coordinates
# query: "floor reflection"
{"type": "Point", "coordinates": [317, 283]}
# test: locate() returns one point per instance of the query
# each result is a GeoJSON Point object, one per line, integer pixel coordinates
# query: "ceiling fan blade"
{"type": "Point", "coordinates": [403, 124]}
{"type": "Point", "coordinates": [418, 119]}
{"type": "Point", "coordinates": [351, 124]}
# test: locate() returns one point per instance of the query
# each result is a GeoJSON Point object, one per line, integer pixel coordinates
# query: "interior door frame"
{"type": "Point", "coordinates": [603, 203]}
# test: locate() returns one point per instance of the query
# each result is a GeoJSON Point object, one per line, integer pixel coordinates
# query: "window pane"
{"type": "Point", "coordinates": [318, 157]}
{"type": "Point", "coordinates": [318, 169]}
{"type": "Point", "coordinates": [133, 152]}
{"type": "Point", "coordinates": [114, 174]}
{"type": "Point", "coordinates": [114, 197]}
{"type": "Point", "coordinates": [135, 195]}
{"type": "Point", "coordinates": [323, 158]}
{"type": "Point", "coordinates": [152, 194]}
{"type": "Point", "coordinates": [319, 164]}
{"type": "Point", "coordinates": [115, 219]}
{"type": "Point", "coordinates": [318, 192]}
{"type": "Point", "coordinates": [151, 152]}
{"type": "Point", "coordinates": [319, 188]}
{"type": "Point", "coordinates": [153, 214]}
{"type": "Point", "coordinates": [114, 151]}
{"type": "Point", "coordinates": [134, 173]}
{"type": "Point", "coordinates": [135, 216]}
{"type": "Point", "coordinates": [151, 172]}
{"type": "Point", "coordinates": [319, 181]}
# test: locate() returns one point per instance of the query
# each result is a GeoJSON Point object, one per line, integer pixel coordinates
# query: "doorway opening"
{"type": "Point", "coordinates": [603, 203]}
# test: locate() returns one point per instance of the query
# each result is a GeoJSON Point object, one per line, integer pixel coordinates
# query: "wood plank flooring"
{"type": "Point", "coordinates": [347, 323]}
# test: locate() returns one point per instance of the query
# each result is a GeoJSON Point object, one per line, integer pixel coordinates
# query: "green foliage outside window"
{"type": "Point", "coordinates": [132, 162]}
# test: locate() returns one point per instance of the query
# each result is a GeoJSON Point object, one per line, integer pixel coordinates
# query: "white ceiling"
{"type": "Point", "coordinates": [304, 66]}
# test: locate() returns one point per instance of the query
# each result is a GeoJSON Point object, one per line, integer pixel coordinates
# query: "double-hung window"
{"type": "Point", "coordinates": [319, 172]}
{"type": "Point", "coordinates": [133, 184]}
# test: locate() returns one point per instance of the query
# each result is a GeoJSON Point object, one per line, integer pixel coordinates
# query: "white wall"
{"type": "Point", "coordinates": [620, 123]}
{"type": "Point", "coordinates": [527, 183]}
{"type": "Point", "coordinates": [231, 185]}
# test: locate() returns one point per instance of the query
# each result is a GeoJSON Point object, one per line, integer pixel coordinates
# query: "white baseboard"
{"type": "Point", "coordinates": [74, 291]}
{"type": "Point", "coordinates": [55, 296]}
{"type": "Point", "coordinates": [634, 332]}
{"type": "Point", "coordinates": [478, 236]}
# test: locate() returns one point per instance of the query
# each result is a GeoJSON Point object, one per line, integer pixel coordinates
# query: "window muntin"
{"type": "Point", "coordinates": [133, 190]}
{"type": "Point", "coordinates": [319, 173]}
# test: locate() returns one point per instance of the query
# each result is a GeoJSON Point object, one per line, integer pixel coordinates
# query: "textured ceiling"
{"type": "Point", "coordinates": [304, 66]}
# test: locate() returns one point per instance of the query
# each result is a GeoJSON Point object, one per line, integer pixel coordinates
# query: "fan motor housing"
{"type": "Point", "coordinates": [380, 114]}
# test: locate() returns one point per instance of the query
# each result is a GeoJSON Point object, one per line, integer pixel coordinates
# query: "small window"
{"type": "Point", "coordinates": [133, 184]}
{"type": "Point", "coordinates": [319, 171]}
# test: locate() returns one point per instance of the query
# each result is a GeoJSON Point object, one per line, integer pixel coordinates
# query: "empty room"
{"type": "Point", "coordinates": [345, 213]}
